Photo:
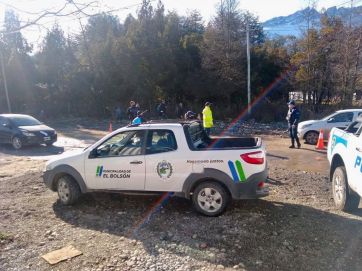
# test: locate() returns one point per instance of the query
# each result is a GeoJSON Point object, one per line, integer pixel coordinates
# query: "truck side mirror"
{"type": "Point", "coordinates": [330, 120]}
{"type": "Point", "coordinates": [93, 154]}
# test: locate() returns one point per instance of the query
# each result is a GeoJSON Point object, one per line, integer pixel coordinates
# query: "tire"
{"type": "Point", "coordinates": [210, 199]}
{"type": "Point", "coordinates": [16, 143]}
{"type": "Point", "coordinates": [48, 144]}
{"type": "Point", "coordinates": [344, 198]}
{"type": "Point", "coordinates": [68, 190]}
{"type": "Point", "coordinates": [312, 137]}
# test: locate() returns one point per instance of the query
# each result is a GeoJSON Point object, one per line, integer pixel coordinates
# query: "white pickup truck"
{"type": "Point", "coordinates": [345, 158]}
{"type": "Point", "coordinates": [164, 157]}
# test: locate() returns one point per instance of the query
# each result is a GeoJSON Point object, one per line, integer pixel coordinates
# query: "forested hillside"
{"type": "Point", "coordinates": [162, 55]}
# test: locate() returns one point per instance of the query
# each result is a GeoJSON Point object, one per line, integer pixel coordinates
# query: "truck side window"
{"type": "Point", "coordinates": [123, 144]}
{"type": "Point", "coordinates": [160, 141]}
{"type": "Point", "coordinates": [342, 117]}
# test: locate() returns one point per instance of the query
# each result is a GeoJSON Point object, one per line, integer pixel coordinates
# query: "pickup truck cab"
{"type": "Point", "coordinates": [164, 157]}
{"type": "Point", "coordinates": [345, 157]}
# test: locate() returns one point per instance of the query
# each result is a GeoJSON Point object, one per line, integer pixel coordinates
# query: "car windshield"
{"type": "Point", "coordinates": [24, 121]}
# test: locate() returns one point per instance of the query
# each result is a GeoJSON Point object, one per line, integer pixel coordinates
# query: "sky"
{"type": "Point", "coordinates": [264, 9]}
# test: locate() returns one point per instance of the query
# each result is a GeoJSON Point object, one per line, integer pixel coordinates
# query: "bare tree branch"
{"type": "Point", "coordinates": [56, 13]}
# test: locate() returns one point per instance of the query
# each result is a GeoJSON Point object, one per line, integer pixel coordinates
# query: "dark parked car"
{"type": "Point", "coordinates": [20, 130]}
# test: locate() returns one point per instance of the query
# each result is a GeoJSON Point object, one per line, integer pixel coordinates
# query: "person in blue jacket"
{"type": "Point", "coordinates": [139, 119]}
{"type": "Point", "coordinates": [293, 118]}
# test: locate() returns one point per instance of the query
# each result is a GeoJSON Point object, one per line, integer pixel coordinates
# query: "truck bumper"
{"type": "Point", "coordinates": [252, 188]}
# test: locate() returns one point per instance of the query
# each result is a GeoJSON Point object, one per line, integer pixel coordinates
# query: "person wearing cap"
{"type": "Point", "coordinates": [132, 111]}
{"type": "Point", "coordinates": [207, 118]}
{"type": "Point", "coordinates": [190, 115]}
{"type": "Point", "coordinates": [293, 117]}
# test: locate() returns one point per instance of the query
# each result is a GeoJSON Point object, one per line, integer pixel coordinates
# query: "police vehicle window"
{"type": "Point", "coordinates": [161, 141]}
{"type": "Point", "coordinates": [342, 117]}
{"type": "Point", "coordinates": [123, 144]}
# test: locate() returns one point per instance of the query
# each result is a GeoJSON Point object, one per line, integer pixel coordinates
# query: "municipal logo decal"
{"type": "Point", "coordinates": [99, 171]}
{"type": "Point", "coordinates": [164, 169]}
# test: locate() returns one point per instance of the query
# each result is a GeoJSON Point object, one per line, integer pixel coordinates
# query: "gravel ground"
{"type": "Point", "coordinates": [295, 228]}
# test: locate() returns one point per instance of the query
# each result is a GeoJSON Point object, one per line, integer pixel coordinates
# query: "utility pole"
{"type": "Point", "coordinates": [248, 60]}
{"type": "Point", "coordinates": [4, 79]}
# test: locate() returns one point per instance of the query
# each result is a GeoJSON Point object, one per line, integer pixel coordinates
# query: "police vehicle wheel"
{"type": "Point", "coordinates": [210, 199]}
{"type": "Point", "coordinates": [68, 190]}
{"type": "Point", "coordinates": [344, 198]}
{"type": "Point", "coordinates": [17, 143]}
{"type": "Point", "coordinates": [312, 138]}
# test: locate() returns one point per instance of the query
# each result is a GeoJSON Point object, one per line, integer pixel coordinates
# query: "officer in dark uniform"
{"type": "Point", "coordinates": [293, 117]}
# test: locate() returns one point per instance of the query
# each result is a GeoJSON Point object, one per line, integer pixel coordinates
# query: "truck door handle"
{"type": "Point", "coordinates": [136, 162]}
{"type": "Point", "coordinates": [359, 149]}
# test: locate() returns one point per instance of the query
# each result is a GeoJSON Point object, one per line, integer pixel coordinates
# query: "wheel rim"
{"type": "Point", "coordinates": [63, 190]}
{"type": "Point", "coordinates": [312, 138]}
{"type": "Point", "coordinates": [16, 143]}
{"type": "Point", "coordinates": [339, 188]}
{"type": "Point", "coordinates": [209, 199]}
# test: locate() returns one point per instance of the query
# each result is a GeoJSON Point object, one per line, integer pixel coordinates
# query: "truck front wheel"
{"type": "Point", "coordinates": [68, 190]}
{"type": "Point", "coordinates": [210, 198]}
{"type": "Point", "coordinates": [344, 198]}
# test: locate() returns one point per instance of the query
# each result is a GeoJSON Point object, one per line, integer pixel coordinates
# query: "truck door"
{"type": "Point", "coordinates": [354, 169]}
{"type": "Point", "coordinates": [5, 130]}
{"type": "Point", "coordinates": [166, 166]}
{"type": "Point", "coordinates": [118, 163]}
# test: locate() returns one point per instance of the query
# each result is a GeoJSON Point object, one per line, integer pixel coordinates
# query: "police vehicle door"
{"type": "Point", "coordinates": [166, 167]}
{"type": "Point", "coordinates": [354, 169]}
{"type": "Point", "coordinates": [118, 163]}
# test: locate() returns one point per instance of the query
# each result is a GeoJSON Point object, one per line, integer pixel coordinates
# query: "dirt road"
{"type": "Point", "coordinates": [295, 228]}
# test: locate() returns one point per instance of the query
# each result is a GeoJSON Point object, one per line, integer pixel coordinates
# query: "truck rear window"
{"type": "Point", "coordinates": [197, 138]}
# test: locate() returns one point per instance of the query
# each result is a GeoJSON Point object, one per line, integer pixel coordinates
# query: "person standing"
{"type": "Point", "coordinates": [207, 118]}
{"type": "Point", "coordinates": [132, 111]}
{"type": "Point", "coordinates": [293, 118]}
{"type": "Point", "coordinates": [118, 113]}
{"type": "Point", "coordinates": [161, 109]}
{"type": "Point", "coordinates": [179, 110]}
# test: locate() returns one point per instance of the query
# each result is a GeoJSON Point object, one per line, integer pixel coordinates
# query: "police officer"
{"type": "Point", "coordinates": [207, 118]}
{"type": "Point", "coordinates": [293, 117]}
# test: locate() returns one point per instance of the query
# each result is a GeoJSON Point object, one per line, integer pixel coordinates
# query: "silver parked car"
{"type": "Point", "coordinates": [309, 130]}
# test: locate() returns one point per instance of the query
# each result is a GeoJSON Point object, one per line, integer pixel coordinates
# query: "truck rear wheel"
{"type": "Point", "coordinates": [344, 198]}
{"type": "Point", "coordinates": [68, 190]}
{"type": "Point", "coordinates": [210, 198]}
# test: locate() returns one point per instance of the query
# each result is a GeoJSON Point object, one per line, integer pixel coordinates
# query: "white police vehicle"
{"type": "Point", "coordinates": [345, 157]}
{"type": "Point", "coordinates": [164, 157]}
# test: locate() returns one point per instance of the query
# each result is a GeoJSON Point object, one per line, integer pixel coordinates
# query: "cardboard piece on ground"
{"type": "Point", "coordinates": [62, 254]}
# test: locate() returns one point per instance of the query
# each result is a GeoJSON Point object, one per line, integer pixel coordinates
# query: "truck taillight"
{"type": "Point", "coordinates": [256, 158]}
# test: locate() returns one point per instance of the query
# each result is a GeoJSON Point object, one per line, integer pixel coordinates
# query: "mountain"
{"type": "Point", "coordinates": [296, 23]}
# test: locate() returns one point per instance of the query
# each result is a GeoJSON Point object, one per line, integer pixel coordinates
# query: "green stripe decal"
{"type": "Point", "coordinates": [98, 168]}
{"type": "Point", "coordinates": [240, 171]}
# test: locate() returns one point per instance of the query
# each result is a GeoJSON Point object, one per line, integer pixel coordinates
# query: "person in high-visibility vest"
{"type": "Point", "coordinates": [207, 118]}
